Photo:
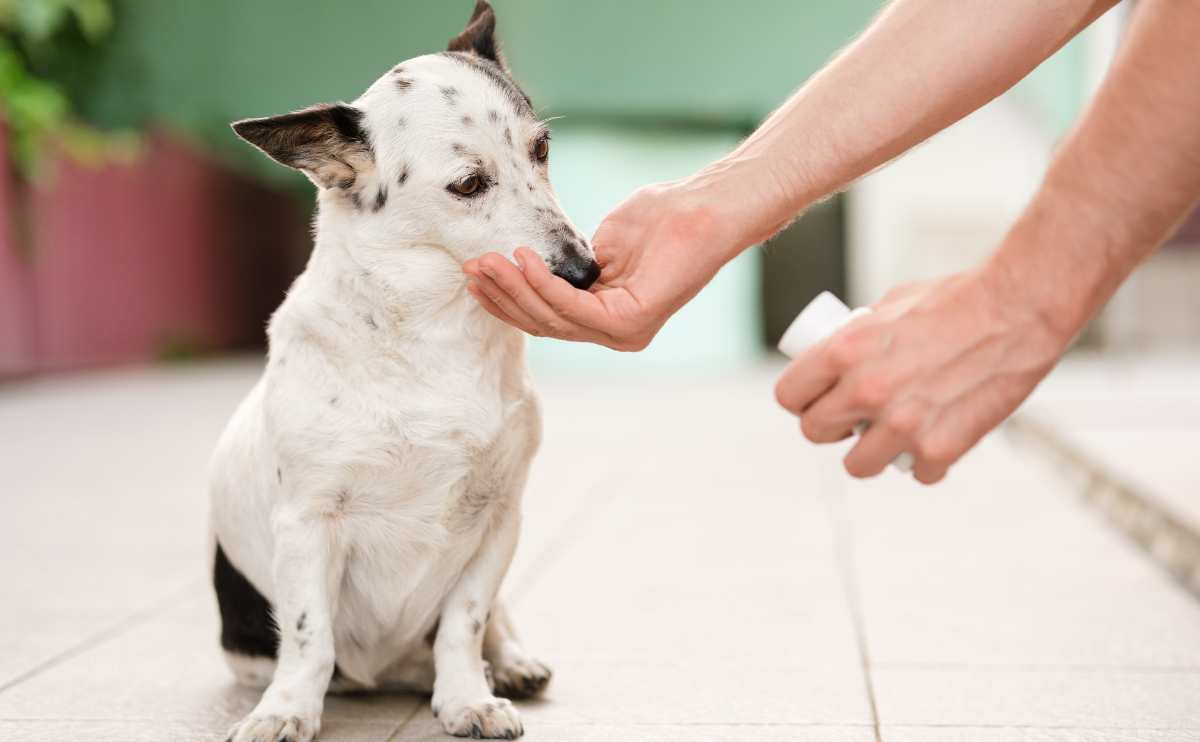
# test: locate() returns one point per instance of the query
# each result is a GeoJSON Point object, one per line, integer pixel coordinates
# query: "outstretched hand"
{"type": "Point", "coordinates": [655, 254]}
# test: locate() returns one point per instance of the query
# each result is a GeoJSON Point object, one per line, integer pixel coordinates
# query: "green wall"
{"type": "Point", "coordinates": [716, 63]}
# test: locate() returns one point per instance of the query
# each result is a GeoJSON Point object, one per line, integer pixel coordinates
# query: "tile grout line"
{"type": "Point", "coordinates": [1168, 542]}
{"type": "Point", "coordinates": [117, 628]}
{"type": "Point", "coordinates": [843, 550]}
{"type": "Point", "coordinates": [404, 722]}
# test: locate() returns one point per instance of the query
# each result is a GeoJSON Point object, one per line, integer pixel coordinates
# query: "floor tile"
{"type": "Point", "coordinates": [1116, 699]}
{"type": "Point", "coordinates": [1030, 734]}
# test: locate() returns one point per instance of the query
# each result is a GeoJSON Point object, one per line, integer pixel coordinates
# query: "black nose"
{"type": "Point", "coordinates": [576, 269]}
{"type": "Point", "coordinates": [579, 272]}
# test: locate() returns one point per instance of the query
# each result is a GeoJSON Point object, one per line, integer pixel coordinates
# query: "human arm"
{"type": "Point", "coordinates": [920, 66]}
{"type": "Point", "coordinates": [940, 364]}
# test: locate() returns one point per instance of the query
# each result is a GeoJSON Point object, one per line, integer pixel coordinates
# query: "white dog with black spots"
{"type": "Point", "coordinates": [366, 495]}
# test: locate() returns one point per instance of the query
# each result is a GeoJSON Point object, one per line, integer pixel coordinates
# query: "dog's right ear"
{"type": "Point", "coordinates": [327, 142]}
{"type": "Point", "coordinates": [479, 37]}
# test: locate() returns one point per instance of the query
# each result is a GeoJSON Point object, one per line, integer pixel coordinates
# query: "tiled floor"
{"type": "Point", "coordinates": [689, 567]}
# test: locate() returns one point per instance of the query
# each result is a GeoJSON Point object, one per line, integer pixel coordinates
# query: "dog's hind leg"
{"type": "Point", "coordinates": [516, 674]}
{"type": "Point", "coordinates": [248, 633]}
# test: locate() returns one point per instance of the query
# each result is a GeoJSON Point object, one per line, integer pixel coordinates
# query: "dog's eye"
{"type": "Point", "coordinates": [472, 185]}
{"type": "Point", "coordinates": [541, 150]}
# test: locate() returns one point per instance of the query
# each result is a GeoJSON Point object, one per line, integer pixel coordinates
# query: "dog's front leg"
{"type": "Point", "coordinates": [306, 574]}
{"type": "Point", "coordinates": [462, 698]}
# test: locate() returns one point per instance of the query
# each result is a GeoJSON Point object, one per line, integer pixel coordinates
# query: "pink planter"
{"type": "Point", "coordinates": [129, 263]}
{"type": "Point", "coordinates": [16, 279]}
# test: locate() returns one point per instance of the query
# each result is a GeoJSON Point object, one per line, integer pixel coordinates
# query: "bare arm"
{"type": "Point", "coordinates": [920, 66]}
{"type": "Point", "coordinates": [942, 363]}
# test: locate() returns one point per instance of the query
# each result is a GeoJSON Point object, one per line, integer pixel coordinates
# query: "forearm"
{"type": "Point", "coordinates": [921, 65]}
{"type": "Point", "coordinates": [1122, 181]}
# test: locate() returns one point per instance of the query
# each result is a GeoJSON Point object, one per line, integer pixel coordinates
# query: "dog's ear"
{"type": "Point", "coordinates": [479, 37]}
{"type": "Point", "coordinates": [327, 142]}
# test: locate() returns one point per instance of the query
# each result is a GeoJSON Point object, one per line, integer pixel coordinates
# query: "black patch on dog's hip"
{"type": "Point", "coordinates": [246, 624]}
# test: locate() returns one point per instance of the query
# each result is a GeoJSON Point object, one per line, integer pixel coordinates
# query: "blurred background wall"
{"type": "Point", "coordinates": [172, 239]}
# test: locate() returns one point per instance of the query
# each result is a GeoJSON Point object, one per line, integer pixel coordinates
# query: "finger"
{"type": "Point", "coordinates": [805, 379]}
{"type": "Point", "coordinates": [834, 414]}
{"type": "Point", "coordinates": [580, 307]}
{"type": "Point", "coordinates": [491, 297]}
{"type": "Point", "coordinates": [509, 279]}
{"type": "Point", "coordinates": [877, 448]}
{"type": "Point", "coordinates": [928, 473]}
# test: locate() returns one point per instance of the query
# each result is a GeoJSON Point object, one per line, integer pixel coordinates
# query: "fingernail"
{"type": "Point", "coordinates": [520, 261]}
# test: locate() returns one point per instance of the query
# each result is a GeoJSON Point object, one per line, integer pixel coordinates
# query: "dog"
{"type": "Point", "coordinates": [366, 494]}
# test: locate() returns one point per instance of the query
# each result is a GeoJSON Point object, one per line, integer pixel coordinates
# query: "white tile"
{"type": "Point", "coordinates": [1001, 567]}
{"type": "Point", "coordinates": [427, 729]}
{"type": "Point", "coordinates": [1109, 699]}
{"type": "Point", "coordinates": [133, 730]}
{"type": "Point", "coordinates": [1030, 734]}
{"type": "Point", "coordinates": [168, 668]}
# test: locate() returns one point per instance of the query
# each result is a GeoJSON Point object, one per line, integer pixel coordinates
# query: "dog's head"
{"type": "Point", "coordinates": [443, 150]}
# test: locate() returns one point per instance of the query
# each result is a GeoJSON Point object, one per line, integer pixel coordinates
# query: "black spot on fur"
{"type": "Point", "coordinates": [370, 322]}
{"type": "Point", "coordinates": [529, 186]}
{"type": "Point", "coordinates": [333, 401]}
{"type": "Point", "coordinates": [300, 621]}
{"type": "Point", "coordinates": [347, 183]}
{"type": "Point", "coordinates": [449, 94]}
{"type": "Point", "coordinates": [403, 84]}
{"type": "Point", "coordinates": [356, 199]}
{"type": "Point", "coordinates": [476, 626]}
{"type": "Point", "coordinates": [467, 120]}
{"type": "Point", "coordinates": [401, 122]}
{"type": "Point", "coordinates": [380, 199]}
{"type": "Point", "coordinates": [508, 135]}
{"type": "Point", "coordinates": [403, 175]}
{"type": "Point", "coordinates": [246, 624]}
{"type": "Point", "coordinates": [493, 116]}
{"type": "Point", "coordinates": [279, 474]}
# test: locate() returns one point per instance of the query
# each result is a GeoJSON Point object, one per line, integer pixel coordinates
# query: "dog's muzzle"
{"type": "Point", "coordinates": [576, 268]}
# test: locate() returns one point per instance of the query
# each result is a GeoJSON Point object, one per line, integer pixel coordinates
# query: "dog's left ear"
{"type": "Point", "coordinates": [327, 142]}
{"type": "Point", "coordinates": [479, 37]}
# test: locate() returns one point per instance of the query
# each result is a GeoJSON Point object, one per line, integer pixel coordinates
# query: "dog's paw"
{"type": "Point", "coordinates": [520, 677]}
{"type": "Point", "coordinates": [269, 727]}
{"type": "Point", "coordinates": [485, 718]}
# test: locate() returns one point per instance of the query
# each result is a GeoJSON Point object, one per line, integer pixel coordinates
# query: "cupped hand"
{"type": "Point", "coordinates": [655, 251]}
{"type": "Point", "coordinates": [934, 368]}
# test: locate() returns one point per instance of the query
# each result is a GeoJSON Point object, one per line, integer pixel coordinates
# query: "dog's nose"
{"type": "Point", "coordinates": [576, 268]}
{"type": "Point", "coordinates": [580, 272]}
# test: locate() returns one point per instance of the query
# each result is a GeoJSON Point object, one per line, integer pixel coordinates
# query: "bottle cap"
{"type": "Point", "coordinates": [815, 322]}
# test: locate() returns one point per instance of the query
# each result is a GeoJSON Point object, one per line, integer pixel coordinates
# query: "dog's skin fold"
{"type": "Point", "coordinates": [366, 493]}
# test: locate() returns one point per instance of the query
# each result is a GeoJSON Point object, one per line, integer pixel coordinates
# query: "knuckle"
{"type": "Point", "coordinates": [871, 391]}
{"type": "Point", "coordinates": [936, 450]}
{"type": "Point", "coordinates": [844, 349]}
{"type": "Point", "coordinates": [904, 422]}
